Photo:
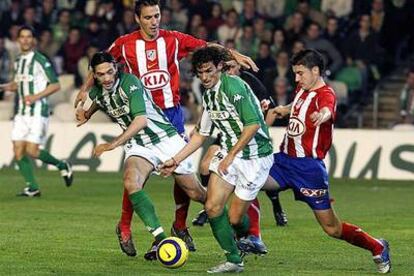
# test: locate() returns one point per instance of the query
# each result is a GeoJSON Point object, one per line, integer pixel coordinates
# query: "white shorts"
{"type": "Point", "coordinates": [31, 129]}
{"type": "Point", "coordinates": [248, 176]}
{"type": "Point", "coordinates": [161, 152]}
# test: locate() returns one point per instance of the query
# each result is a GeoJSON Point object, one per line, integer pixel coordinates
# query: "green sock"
{"type": "Point", "coordinates": [26, 169]}
{"type": "Point", "coordinates": [47, 158]}
{"type": "Point", "coordinates": [145, 210]}
{"type": "Point", "coordinates": [224, 234]}
{"type": "Point", "coordinates": [242, 228]}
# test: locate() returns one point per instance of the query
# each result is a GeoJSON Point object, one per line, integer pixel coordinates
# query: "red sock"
{"type": "Point", "coordinates": [127, 212]}
{"type": "Point", "coordinates": [254, 216]}
{"type": "Point", "coordinates": [182, 203]}
{"type": "Point", "coordinates": [354, 235]}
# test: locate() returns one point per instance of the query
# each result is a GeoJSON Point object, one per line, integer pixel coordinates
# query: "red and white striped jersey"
{"type": "Point", "coordinates": [155, 62]}
{"type": "Point", "coordinates": [302, 138]}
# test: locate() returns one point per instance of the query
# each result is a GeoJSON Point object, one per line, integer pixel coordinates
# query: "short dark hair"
{"type": "Point", "coordinates": [309, 58]}
{"type": "Point", "coordinates": [101, 57]}
{"type": "Point", "coordinates": [147, 3]}
{"type": "Point", "coordinates": [209, 54]}
{"type": "Point", "coordinates": [26, 28]}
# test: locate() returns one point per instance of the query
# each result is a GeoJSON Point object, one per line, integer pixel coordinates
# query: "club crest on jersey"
{"type": "Point", "coordinates": [295, 127]}
{"type": "Point", "coordinates": [151, 55]}
{"type": "Point", "coordinates": [219, 115]}
{"type": "Point", "coordinates": [155, 79]}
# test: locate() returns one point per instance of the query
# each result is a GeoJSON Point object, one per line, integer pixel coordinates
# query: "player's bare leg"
{"type": "Point", "coordinates": [190, 185]}
{"type": "Point", "coordinates": [354, 235]}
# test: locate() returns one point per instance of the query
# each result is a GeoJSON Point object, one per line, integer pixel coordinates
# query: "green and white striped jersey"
{"type": "Point", "coordinates": [129, 99]}
{"type": "Point", "coordinates": [230, 105]}
{"type": "Point", "coordinates": [33, 72]}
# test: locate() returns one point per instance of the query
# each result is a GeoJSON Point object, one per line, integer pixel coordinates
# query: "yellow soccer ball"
{"type": "Point", "coordinates": [172, 252]}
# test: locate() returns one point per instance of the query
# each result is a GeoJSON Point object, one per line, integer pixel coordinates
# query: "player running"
{"type": "Point", "coordinates": [148, 136]}
{"type": "Point", "coordinates": [243, 162]}
{"type": "Point", "coordinates": [153, 54]}
{"type": "Point", "coordinates": [34, 80]}
{"type": "Point", "coordinates": [299, 164]}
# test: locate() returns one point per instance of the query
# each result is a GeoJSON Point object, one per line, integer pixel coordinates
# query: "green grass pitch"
{"type": "Point", "coordinates": [71, 230]}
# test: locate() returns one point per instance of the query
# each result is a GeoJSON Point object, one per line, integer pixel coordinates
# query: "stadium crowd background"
{"type": "Point", "coordinates": [363, 41]}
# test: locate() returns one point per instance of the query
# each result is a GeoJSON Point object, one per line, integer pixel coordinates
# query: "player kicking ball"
{"type": "Point", "coordinates": [243, 162]}
{"type": "Point", "coordinates": [148, 138]}
{"type": "Point", "coordinates": [299, 164]}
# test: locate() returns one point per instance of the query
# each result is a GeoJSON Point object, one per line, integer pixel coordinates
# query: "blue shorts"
{"type": "Point", "coordinates": [307, 177]}
{"type": "Point", "coordinates": [176, 116]}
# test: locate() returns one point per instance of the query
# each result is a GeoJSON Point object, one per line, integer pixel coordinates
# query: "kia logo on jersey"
{"type": "Point", "coordinates": [219, 115]}
{"type": "Point", "coordinates": [295, 127]}
{"type": "Point", "coordinates": [155, 79]}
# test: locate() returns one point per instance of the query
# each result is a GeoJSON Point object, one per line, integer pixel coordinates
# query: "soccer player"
{"type": "Point", "coordinates": [243, 161]}
{"type": "Point", "coordinates": [153, 54]}
{"type": "Point", "coordinates": [34, 80]}
{"type": "Point", "coordinates": [148, 136]}
{"type": "Point", "coordinates": [299, 164]}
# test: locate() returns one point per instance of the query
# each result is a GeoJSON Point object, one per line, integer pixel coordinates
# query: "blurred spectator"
{"type": "Point", "coordinates": [248, 43]}
{"type": "Point", "coordinates": [196, 6]}
{"type": "Point", "coordinates": [297, 46]}
{"type": "Point", "coordinates": [47, 14]}
{"type": "Point", "coordinates": [313, 40]}
{"type": "Point", "coordinates": [377, 15]}
{"type": "Point", "coordinates": [195, 21]}
{"type": "Point", "coordinates": [11, 17]}
{"type": "Point", "coordinates": [61, 28]}
{"type": "Point", "coordinates": [83, 63]}
{"type": "Point", "coordinates": [215, 20]}
{"type": "Point", "coordinates": [6, 65]}
{"type": "Point", "coordinates": [179, 15]}
{"type": "Point", "coordinates": [259, 27]}
{"type": "Point", "coordinates": [47, 45]}
{"type": "Point", "coordinates": [271, 10]}
{"type": "Point", "coordinates": [282, 69]}
{"type": "Point", "coordinates": [249, 13]}
{"type": "Point", "coordinates": [294, 27]}
{"type": "Point", "coordinates": [281, 95]}
{"type": "Point", "coordinates": [11, 43]}
{"type": "Point", "coordinates": [29, 18]}
{"type": "Point", "coordinates": [333, 34]}
{"type": "Point", "coordinates": [72, 51]}
{"type": "Point", "coordinates": [108, 17]}
{"type": "Point", "coordinates": [279, 41]}
{"type": "Point", "coordinates": [230, 29]}
{"type": "Point", "coordinates": [264, 60]}
{"type": "Point", "coordinates": [167, 22]}
{"type": "Point", "coordinates": [337, 8]}
{"type": "Point", "coordinates": [71, 4]}
{"type": "Point", "coordinates": [128, 23]}
{"type": "Point", "coordinates": [97, 35]}
{"type": "Point", "coordinates": [201, 32]}
{"type": "Point", "coordinates": [310, 14]}
{"type": "Point", "coordinates": [407, 100]}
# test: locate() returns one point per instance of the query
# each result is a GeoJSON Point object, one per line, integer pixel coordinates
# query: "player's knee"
{"type": "Point", "coordinates": [212, 209]}
{"type": "Point", "coordinates": [32, 152]}
{"type": "Point", "coordinates": [131, 182]}
{"type": "Point", "coordinates": [204, 166]}
{"type": "Point", "coordinates": [332, 231]}
{"type": "Point", "coordinates": [235, 219]}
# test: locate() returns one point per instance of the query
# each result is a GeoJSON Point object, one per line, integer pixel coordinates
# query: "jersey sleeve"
{"type": "Point", "coordinates": [49, 71]}
{"type": "Point", "coordinates": [187, 44]}
{"type": "Point", "coordinates": [328, 100]}
{"type": "Point", "coordinates": [244, 102]}
{"type": "Point", "coordinates": [116, 49]}
{"type": "Point", "coordinates": [205, 125]}
{"type": "Point", "coordinates": [134, 90]}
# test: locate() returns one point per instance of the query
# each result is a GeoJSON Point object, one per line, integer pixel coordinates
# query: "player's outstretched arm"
{"type": "Point", "coordinates": [245, 61]}
{"type": "Point", "coordinates": [278, 112]}
{"type": "Point", "coordinates": [321, 117]}
{"type": "Point", "coordinates": [136, 125]}
{"type": "Point", "coordinates": [10, 86]}
{"type": "Point", "coordinates": [83, 92]}
{"type": "Point", "coordinates": [196, 141]}
{"type": "Point", "coordinates": [49, 90]}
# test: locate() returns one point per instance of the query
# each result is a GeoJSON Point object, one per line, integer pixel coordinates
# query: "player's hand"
{"type": "Point", "coordinates": [318, 118]}
{"type": "Point", "coordinates": [168, 167]}
{"type": "Point", "coordinates": [81, 117]}
{"type": "Point", "coordinates": [225, 164]}
{"type": "Point", "coordinates": [264, 104]}
{"type": "Point", "coordinates": [101, 148]}
{"type": "Point", "coordinates": [30, 99]}
{"type": "Point", "coordinates": [81, 98]}
{"type": "Point", "coordinates": [280, 111]}
{"type": "Point", "coordinates": [244, 61]}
